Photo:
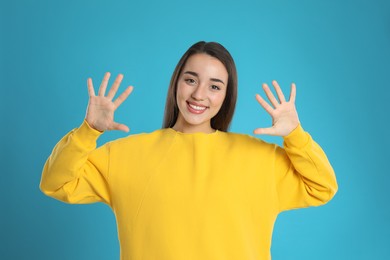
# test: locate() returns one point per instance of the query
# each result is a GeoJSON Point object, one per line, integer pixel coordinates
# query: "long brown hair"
{"type": "Point", "coordinates": [221, 121]}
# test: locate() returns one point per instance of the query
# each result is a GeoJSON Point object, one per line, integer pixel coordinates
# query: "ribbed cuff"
{"type": "Point", "coordinates": [86, 135]}
{"type": "Point", "coordinates": [297, 138]}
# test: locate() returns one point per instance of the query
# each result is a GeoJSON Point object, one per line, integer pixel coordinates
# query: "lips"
{"type": "Point", "coordinates": [196, 108]}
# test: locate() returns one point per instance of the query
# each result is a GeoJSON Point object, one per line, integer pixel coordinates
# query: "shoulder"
{"type": "Point", "coordinates": [246, 141]}
{"type": "Point", "coordinates": [143, 139]}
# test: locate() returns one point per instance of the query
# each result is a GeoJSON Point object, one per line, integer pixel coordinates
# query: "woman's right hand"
{"type": "Point", "coordinates": [101, 108]}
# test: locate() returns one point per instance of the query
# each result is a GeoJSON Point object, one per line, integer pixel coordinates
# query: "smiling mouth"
{"type": "Point", "coordinates": [196, 109]}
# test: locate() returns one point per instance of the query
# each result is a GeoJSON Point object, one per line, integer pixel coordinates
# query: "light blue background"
{"type": "Point", "coordinates": [337, 52]}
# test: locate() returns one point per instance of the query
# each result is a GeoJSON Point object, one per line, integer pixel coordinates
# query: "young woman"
{"type": "Point", "coordinates": [192, 190]}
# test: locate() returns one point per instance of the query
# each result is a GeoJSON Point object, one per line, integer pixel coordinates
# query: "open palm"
{"type": "Point", "coordinates": [101, 108]}
{"type": "Point", "coordinates": [284, 114]}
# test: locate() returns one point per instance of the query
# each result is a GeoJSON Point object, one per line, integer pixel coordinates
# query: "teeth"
{"type": "Point", "coordinates": [197, 107]}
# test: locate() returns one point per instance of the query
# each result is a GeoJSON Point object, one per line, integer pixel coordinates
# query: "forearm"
{"type": "Point", "coordinates": [310, 175]}
{"type": "Point", "coordinates": [68, 161]}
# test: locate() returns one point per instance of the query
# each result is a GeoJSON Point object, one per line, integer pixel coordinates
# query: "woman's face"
{"type": "Point", "coordinates": [201, 90]}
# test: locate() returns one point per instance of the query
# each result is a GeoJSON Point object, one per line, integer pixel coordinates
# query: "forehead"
{"type": "Point", "coordinates": [206, 66]}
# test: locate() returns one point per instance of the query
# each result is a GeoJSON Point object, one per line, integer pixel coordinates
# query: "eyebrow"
{"type": "Point", "coordinates": [196, 75]}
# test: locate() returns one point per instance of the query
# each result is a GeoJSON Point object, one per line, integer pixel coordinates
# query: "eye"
{"type": "Point", "coordinates": [215, 87]}
{"type": "Point", "coordinates": [190, 81]}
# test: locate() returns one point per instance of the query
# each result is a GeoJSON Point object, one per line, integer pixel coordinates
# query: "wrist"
{"type": "Point", "coordinates": [92, 127]}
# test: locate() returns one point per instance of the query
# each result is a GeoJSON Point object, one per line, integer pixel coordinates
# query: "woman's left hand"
{"type": "Point", "coordinates": [284, 114]}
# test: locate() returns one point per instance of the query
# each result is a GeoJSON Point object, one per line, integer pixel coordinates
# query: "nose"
{"type": "Point", "coordinates": [199, 93]}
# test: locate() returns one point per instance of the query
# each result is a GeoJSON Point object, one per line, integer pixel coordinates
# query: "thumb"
{"type": "Point", "coordinates": [121, 127]}
{"type": "Point", "coordinates": [265, 131]}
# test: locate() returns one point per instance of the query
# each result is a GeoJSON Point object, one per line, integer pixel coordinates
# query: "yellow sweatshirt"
{"type": "Point", "coordinates": [179, 196]}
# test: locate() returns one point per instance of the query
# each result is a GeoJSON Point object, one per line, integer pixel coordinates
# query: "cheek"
{"type": "Point", "coordinates": [178, 95]}
{"type": "Point", "coordinates": [217, 100]}
{"type": "Point", "coordinates": [181, 91]}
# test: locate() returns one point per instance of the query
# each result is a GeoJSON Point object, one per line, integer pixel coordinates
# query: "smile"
{"type": "Point", "coordinates": [195, 109]}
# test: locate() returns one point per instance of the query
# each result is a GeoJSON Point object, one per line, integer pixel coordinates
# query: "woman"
{"type": "Point", "coordinates": [192, 190]}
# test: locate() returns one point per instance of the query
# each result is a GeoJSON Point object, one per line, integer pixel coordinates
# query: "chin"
{"type": "Point", "coordinates": [197, 122]}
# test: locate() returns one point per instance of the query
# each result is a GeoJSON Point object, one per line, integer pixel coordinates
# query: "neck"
{"type": "Point", "coordinates": [188, 128]}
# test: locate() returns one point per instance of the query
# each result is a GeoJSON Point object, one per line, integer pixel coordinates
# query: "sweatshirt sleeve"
{"type": "Point", "coordinates": [76, 172]}
{"type": "Point", "coordinates": [304, 175]}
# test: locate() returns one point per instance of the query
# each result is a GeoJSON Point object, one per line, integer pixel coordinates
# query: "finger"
{"type": "Point", "coordinates": [265, 131]}
{"type": "Point", "coordinates": [103, 85]}
{"type": "Point", "coordinates": [121, 127]}
{"type": "Point", "coordinates": [279, 91]}
{"type": "Point", "coordinates": [91, 91]}
{"type": "Point", "coordinates": [115, 87]}
{"type": "Point", "coordinates": [293, 93]}
{"type": "Point", "coordinates": [264, 104]}
{"type": "Point", "coordinates": [270, 96]}
{"type": "Point", "coordinates": [123, 96]}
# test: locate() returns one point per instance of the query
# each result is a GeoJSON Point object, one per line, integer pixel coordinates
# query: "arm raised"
{"type": "Point", "coordinates": [101, 108]}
